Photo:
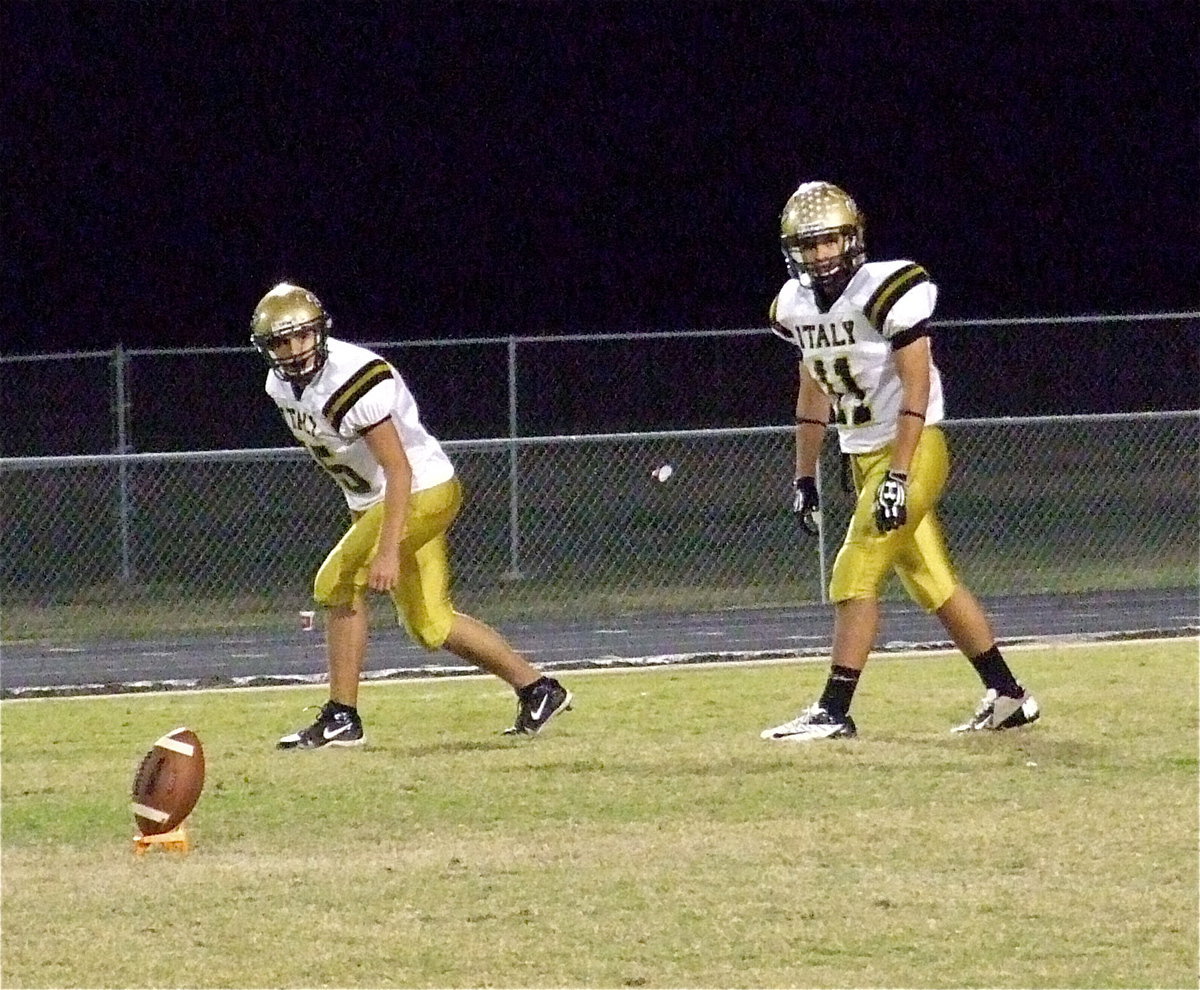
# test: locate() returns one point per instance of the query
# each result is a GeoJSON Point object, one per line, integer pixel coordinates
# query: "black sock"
{"type": "Point", "coordinates": [994, 673]}
{"type": "Point", "coordinates": [839, 690]}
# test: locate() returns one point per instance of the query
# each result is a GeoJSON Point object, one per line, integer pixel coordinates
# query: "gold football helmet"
{"type": "Point", "coordinates": [815, 212]}
{"type": "Point", "coordinates": [286, 311]}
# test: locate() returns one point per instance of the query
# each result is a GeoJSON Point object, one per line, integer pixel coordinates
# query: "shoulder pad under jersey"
{"type": "Point", "coordinates": [885, 283]}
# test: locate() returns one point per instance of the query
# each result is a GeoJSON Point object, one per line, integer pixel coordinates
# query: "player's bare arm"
{"type": "Point", "coordinates": [912, 367]}
{"type": "Point", "coordinates": [384, 443]}
{"type": "Point", "coordinates": [812, 417]}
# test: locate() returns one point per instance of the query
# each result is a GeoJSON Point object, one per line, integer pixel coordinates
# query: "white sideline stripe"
{"type": "Point", "coordinates": [176, 745]}
{"type": "Point", "coordinates": [595, 665]}
{"type": "Point", "coordinates": [145, 811]}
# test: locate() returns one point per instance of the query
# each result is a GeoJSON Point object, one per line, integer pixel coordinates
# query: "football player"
{"type": "Point", "coordinates": [866, 364]}
{"type": "Point", "coordinates": [354, 414]}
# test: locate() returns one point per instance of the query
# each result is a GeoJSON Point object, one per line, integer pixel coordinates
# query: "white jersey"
{"type": "Point", "coordinates": [848, 350]}
{"type": "Point", "coordinates": [355, 390]}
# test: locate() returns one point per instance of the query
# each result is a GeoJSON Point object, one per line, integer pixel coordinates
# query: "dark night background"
{"type": "Point", "coordinates": [476, 169]}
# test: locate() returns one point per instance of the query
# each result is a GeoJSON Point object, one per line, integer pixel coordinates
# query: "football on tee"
{"type": "Point", "coordinates": [168, 782]}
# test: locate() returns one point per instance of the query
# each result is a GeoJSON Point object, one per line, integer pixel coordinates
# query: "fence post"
{"type": "Point", "coordinates": [120, 414]}
{"type": "Point", "coordinates": [514, 526]}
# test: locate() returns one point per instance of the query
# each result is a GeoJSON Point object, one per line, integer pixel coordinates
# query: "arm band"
{"type": "Point", "coordinates": [906, 337]}
{"type": "Point", "coordinates": [913, 413]}
{"type": "Point", "coordinates": [801, 420]}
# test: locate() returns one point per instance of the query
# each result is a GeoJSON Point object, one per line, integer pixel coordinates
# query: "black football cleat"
{"type": "Point", "coordinates": [537, 704]}
{"type": "Point", "coordinates": [337, 725]}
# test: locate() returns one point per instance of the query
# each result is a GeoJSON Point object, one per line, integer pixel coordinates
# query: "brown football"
{"type": "Point", "coordinates": [168, 782]}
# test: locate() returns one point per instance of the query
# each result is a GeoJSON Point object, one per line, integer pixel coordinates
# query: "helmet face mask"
{"type": "Point", "coordinates": [821, 235]}
{"type": "Point", "coordinates": [290, 329]}
{"type": "Point", "coordinates": [304, 352]}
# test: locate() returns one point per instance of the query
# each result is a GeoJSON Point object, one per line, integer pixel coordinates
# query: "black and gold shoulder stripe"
{"type": "Point", "coordinates": [890, 290]}
{"type": "Point", "coordinates": [356, 386]}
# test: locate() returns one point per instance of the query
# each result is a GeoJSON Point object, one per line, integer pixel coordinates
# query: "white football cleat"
{"type": "Point", "coordinates": [812, 723]}
{"type": "Point", "coordinates": [998, 711]}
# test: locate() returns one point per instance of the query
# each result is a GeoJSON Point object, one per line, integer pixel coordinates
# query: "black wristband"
{"type": "Point", "coordinates": [800, 420]}
{"type": "Point", "coordinates": [913, 413]}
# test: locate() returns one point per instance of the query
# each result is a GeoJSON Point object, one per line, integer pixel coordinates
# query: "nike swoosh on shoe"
{"type": "Point", "coordinates": [336, 732]}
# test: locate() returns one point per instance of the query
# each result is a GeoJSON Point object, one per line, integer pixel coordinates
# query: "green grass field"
{"type": "Point", "coordinates": [649, 839]}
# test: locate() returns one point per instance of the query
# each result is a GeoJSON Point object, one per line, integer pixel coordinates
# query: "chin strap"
{"type": "Point", "coordinates": [828, 290]}
{"type": "Point", "coordinates": [300, 382]}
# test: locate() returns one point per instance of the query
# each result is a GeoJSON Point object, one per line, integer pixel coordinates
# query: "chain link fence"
{"type": "Point", "coordinates": [174, 545]}
{"type": "Point", "coordinates": [184, 399]}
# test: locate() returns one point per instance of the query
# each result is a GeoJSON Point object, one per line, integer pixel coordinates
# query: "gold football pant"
{"type": "Point", "coordinates": [421, 595]}
{"type": "Point", "coordinates": [917, 550]}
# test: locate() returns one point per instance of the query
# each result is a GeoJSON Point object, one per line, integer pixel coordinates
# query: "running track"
{"type": "Point", "coordinates": [32, 670]}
